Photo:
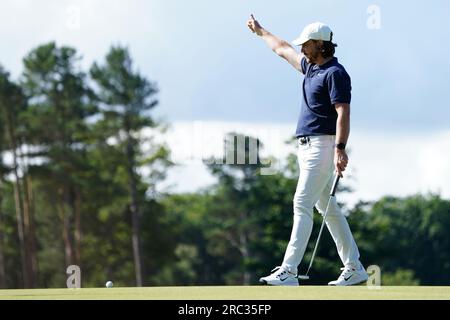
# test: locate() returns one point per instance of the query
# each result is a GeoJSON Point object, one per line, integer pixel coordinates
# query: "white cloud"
{"type": "Point", "coordinates": [380, 164]}
{"type": "Point", "coordinates": [399, 164]}
{"type": "Point", "coordinates": [89, 26]}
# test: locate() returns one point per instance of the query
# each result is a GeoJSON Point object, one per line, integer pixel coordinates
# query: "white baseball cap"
{"type": "Point", "coordinates": [314, 31]}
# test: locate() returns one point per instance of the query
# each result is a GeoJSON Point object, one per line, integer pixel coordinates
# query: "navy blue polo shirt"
{"type": "Point", "coordinates": [323, 86]}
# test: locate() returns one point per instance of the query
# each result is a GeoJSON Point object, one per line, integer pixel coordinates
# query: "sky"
{"type": "Point", "coordinates": [212, 72]}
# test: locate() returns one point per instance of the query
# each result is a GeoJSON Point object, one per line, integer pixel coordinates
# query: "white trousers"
{"type": "Point", "coordinates": [316, 161]}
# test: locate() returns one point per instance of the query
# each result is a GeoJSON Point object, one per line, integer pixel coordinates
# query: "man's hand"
{"type": "Point", "coordinates": [254, 26]}
{"type": "Point", "coordinates": [281, 47]}
{"type": "Point", "coordinates": [340, 161]}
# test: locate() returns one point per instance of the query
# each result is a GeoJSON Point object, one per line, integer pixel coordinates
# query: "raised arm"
{"type": "Point", "coordinates": [279, 46]}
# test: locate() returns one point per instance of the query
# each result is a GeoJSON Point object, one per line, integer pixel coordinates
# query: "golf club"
{"type": "Point", "coordinates": [332, 192]}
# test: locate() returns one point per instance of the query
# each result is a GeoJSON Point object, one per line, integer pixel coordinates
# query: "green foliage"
{"type": "Point", "coordinates": [78, 167]}
{"type": "Point", "coordinates": [408, 233]}
{"type": "Point", "coordinates": [401, 277]}
{"type": "Point", "coordinates": [8, 236]}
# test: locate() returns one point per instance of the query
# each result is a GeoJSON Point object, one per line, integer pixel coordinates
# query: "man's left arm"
{"type": "Point", "coordinates": [342, 133]}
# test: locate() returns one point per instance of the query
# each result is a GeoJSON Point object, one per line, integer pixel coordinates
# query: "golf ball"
{"type": "Point", "coordinates": [109, 284]}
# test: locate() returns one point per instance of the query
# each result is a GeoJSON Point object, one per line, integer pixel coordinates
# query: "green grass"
{"type": "Point", "coordinates": [234, 293]}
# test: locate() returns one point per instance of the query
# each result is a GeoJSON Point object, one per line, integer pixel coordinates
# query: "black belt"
{"type": "Point", "coordinates": [303, 140]}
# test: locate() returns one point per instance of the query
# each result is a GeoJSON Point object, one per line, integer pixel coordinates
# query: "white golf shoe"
{"type": "Point", "coordinates": [280, 277]}
{"type": "Point", "coordinates": [350, 276]}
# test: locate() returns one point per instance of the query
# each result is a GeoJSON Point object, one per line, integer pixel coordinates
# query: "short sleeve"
{"type": "Point", "coordinates": [304, 65]}
{"type": "Point", "coordinates": [339, 86]}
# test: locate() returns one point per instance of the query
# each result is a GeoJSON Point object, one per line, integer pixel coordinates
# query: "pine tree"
{"type": "Point", "coordinates": [127, 98]}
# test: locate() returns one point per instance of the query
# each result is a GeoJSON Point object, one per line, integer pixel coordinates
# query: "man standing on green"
{"type": "Point", "coordinates": [322, 131]}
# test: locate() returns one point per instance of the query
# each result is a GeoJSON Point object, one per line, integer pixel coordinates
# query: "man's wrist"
{"type": "Point", "coordinates": [340, 146]}
{"type": "Point", "coordinates": [263, 32]}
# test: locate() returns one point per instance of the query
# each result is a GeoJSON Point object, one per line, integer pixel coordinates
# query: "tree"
{"type": "Point", "coordinates": [13, 104]}
{"type": "Point", "coordinates": [242, 207]}
{"type": "Point", "coordinates": [407, 237]}
{"type": "Point", "coordinates": [3, 171]}
{"type": "Point", "coordinates": [127, 98]}
{"type": "Point", "coordinates": [57, 130]}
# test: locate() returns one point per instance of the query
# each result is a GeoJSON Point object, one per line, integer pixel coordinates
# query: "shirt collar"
{"type": "Point", "coordinates": [331, 61]}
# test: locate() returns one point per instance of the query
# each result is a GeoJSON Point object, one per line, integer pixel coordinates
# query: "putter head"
{"type": "Point", "coordinates": [303, 277]}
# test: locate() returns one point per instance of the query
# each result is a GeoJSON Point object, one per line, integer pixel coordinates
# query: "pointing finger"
{"type": "Point", "coordinates": [253, 18]}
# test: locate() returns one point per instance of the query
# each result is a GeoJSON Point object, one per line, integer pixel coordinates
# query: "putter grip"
{"type": "Point", "coordinates": [335, 183]}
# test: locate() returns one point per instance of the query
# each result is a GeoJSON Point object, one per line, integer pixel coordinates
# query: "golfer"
{"type": "Point", "coordinates": [322, 131]}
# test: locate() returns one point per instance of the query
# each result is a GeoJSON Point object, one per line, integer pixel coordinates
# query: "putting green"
{"type": "Point", "coordinates": [234, 293]}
